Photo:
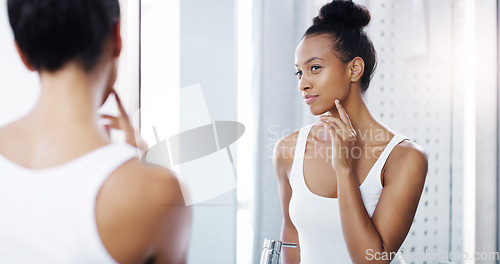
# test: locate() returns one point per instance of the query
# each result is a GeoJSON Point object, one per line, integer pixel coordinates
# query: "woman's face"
{"type": "Point", "coordinates": [323, 77]}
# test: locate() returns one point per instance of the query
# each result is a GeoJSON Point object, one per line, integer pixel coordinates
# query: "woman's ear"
{"type": "Point", "coordinates": [24, 58]}
{"type": "Point", "coordinates": [117, 40]}
{"type": "Point", "coordinates": [356, 67]}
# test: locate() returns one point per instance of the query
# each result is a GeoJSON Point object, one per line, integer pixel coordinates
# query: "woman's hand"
{"type": "Point", "coordinates": [122, 122]}
{"type": "Point", "coordinates": [343, 136]}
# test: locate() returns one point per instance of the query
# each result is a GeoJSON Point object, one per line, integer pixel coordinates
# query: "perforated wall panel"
{"type": "Point", "coordinates": [411, 92]}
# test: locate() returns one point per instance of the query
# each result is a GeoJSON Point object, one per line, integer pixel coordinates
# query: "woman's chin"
{"type": "Point", "coordinates": [317, 111]}
{"type": "Point", "coordinates": [318, 107]}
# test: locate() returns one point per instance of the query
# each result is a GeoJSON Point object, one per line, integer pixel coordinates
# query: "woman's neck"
{"type": "Point", "coordinates": [369, 131]}
{"type": "Point", "coordinates": [67, 96]}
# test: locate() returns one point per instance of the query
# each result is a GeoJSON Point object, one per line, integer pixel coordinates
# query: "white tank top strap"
{"type": "Point", "coordinates": [110, 158]}
{"type": "Point", "coordinates": [104, 162]}
{"type": "Point", "coordinates": [373, 179]}
{"type": "Point", "coordinates": [300, 148]}
{"type": "Point", "coordinates": [390, 146]}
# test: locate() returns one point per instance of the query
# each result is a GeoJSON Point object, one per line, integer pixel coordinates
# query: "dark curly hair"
{"type": "Point", "coordinates": [53, 32]}
{"type": "Point", "coordinates": [344, 21]}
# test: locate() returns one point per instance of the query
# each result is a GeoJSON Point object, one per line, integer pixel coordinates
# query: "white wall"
{"type": "Point", "coordinates": [188, 79]}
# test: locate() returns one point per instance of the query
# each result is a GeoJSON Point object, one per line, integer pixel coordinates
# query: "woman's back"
{"type": "Point", "coordinates": [49, 214]}
{"type": "Point", "coordinates": [96, 207]}
{"type": "Point", "coordinates": [67, 190]}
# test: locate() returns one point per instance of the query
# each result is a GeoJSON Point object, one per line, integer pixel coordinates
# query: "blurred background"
{"type": "Point", "coordinates": [436, 82]}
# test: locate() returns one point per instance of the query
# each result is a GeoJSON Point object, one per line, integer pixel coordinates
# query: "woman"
{"type": "Point", "coordinates": [67, 193]}
{"type": "Point", "coordinates": [349, 185]}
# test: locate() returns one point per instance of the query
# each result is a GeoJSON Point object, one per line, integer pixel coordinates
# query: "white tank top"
{"type": "Point", "coordinates": [48, 215]}
{"type": "Point", "coordinates": [317, 218]}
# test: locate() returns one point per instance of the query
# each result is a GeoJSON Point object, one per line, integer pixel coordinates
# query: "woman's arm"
{"type": "Point", "coordinates": [140, 213]}
{"type": "Point", "coordinates": [374, 239]}
{"type": "Point", "coordinates": [384, 233]}
{"type": "Point", "coordinates": [175, 227]}
{"type": "Point", "coordinates": [283, 159]}
{"type": "Point", "coordinates": [152, 211]}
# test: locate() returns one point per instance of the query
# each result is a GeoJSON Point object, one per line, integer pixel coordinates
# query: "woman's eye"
{"type": "Point", "coordinates": [315, 68]}
{"type": "Point", "coordinates": [298, 73]}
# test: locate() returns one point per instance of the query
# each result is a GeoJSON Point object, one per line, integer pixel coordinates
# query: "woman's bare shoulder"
{"type": "Point", "coordinates": [407, 161]}
{"type": "Point", "coordinates": [284, 149]}
{"type": "Point", "coordinates": [149, 184]}
{"type": "Point", "coordinates": [133, 206]}
{"type": "Point", "coordinates": [410, 151]}
{"type": "Point", "coordinates": [11, 135]}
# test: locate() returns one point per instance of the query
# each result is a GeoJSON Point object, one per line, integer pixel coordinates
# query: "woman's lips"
{"type": "Point", "coordinates": [310, 98]}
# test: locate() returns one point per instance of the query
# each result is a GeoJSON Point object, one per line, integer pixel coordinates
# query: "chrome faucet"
{"type": "Point", "coordinates": [272, 251]}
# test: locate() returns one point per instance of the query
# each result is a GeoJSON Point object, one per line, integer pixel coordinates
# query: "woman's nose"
{"type": "Point", "coordinates": [304, 84]}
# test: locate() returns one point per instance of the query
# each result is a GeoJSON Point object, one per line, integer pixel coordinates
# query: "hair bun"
{"type": "Point", "coordinates": [343, 11]}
